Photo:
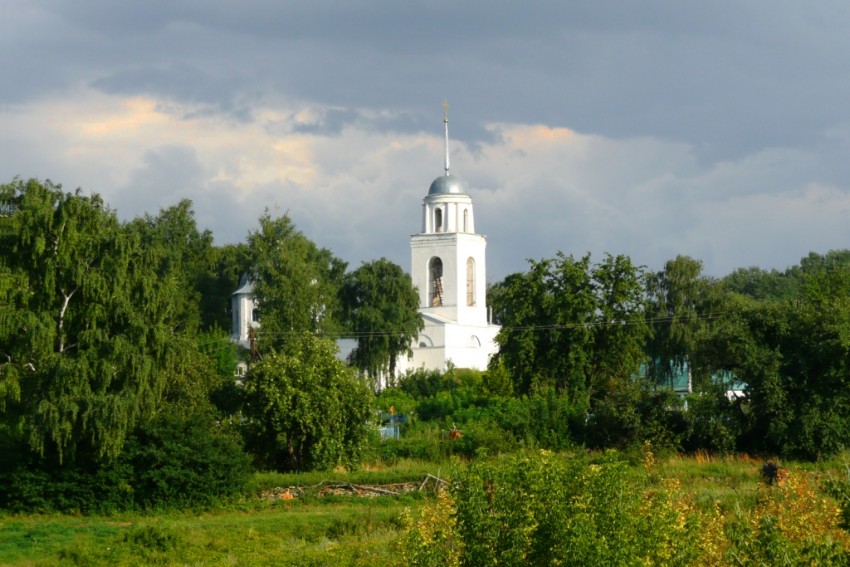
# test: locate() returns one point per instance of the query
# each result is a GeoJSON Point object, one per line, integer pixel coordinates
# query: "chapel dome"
{"type": "Point", "coordinates": [449, 185]}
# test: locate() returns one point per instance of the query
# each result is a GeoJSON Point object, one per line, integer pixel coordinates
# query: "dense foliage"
{"type": "Point", "coordinates": [116, 373]}
{"type": "Point", "coordinates": [763, 355]}
{"type": "Point", "coordinates": [572, 326]}
{"type": "Point", "coordinates": [381, 308]}
{"type": "Point", "coordinates": [296, 283]}
{"type": "Point", "coordinates": [92, 319]}
{"type": "Point", "coordinates": [169, 461]}
{"type": "Point", "coordinates": [117, 376]}
{"type": "Point", "coordinates": [548, 509]}
{"type": "Point", "coordinates": [305, 408]}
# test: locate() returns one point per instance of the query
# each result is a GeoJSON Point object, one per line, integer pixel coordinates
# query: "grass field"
{"type": "Point", "coordinates": [331, 532]}
{"type": "Point", "coordinates": [335, 530]}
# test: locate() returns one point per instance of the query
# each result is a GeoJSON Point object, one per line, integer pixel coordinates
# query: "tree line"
{"type": "Point", "coordinates": [116, 368]}
{"type": "Point", "coordinates": [611, 337]}
{"type": "Point", "coordinates": [117, 373]}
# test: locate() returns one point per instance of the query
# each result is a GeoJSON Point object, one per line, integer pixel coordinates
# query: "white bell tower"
{"type": "Point", "coordinates": [449, 269]}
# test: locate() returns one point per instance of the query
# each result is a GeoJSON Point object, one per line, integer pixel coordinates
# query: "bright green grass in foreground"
{"type": "Point", "coordinates": [337, 531]}
{"type": "Point", "coordinates": [314, 531]}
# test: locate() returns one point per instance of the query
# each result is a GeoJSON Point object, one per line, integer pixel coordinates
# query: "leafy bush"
{"type": "Point", "coordinates": [713, 423]}
{"type": "Point", "coordinates": [545, 509]}
{"type": "Point", "coordinates": [423, 383]}
{"type": "Point", "coordinates": [306, 409]}
{"type": "Point", "coordinates": [45, 486]}
{"type": "Point", "coordinates": [483, 437]}
{"type": "Point", "coordinates": [542, 509]}
{"type": "Point", "coordinates": [423, 441]}
{"type": "Point", "coordinates": [402, 402]}
{"type": "Point", "coordinates": [185, 462]}
{"type": "Point", "coordinates": [168, 462]}
{"type": "Point", "coordinates": [793, 522]}
{"type": "Point", "coordinates": [633, 414]}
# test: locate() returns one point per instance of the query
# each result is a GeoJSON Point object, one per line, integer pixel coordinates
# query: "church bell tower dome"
{"type": "Point", "coordinates": [449, 184]}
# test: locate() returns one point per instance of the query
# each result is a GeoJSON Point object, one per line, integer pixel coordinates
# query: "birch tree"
{"type": "Point", "coordinates": [89, 326]}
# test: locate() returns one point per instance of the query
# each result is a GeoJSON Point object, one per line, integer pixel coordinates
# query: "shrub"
{"type": "Point", "coordinates": [33, 483]}
{"type": "Point", "coordinates": [168, 462]}
{"type": "Point", "coordinates": [185, 462]}
{"type": "Point", "coordinates": [422, 383]}
{"type": "Point", "coordinates": [483, 437]}
{"type": "Point", "coordinates": [306, 409]}
{"type": "Point", "coordinates": [401, 402]}
{"type": "Point", "coordinates": [793, 522]}
{"type": "Point", "coordinates": [713, 423]}
{"type": "Point", "coordinates": [543, 509]}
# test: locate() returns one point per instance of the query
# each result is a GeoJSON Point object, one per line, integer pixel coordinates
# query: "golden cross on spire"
{"type": "Point", "coordinates": [446, 110]}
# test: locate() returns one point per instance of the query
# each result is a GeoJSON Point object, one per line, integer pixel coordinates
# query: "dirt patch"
{"type": "Point", "coordinates": [430, 483]}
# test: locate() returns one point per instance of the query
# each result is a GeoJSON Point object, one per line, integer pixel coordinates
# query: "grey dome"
{"type": "Point", "coordinates": [448, 185]}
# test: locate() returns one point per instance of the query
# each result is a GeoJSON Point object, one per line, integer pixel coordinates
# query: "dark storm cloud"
{"type": "Point", "coordinates": [727, 76]}
{"type": "Point", "coordinates": [740, 106]}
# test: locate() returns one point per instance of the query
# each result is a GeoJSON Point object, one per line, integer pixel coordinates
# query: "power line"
{"type": "Point", "coordinates": [542, 327]}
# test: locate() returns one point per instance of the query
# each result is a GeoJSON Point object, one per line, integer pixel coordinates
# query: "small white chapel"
{"type": "Point", "coordinates": [448, 267]}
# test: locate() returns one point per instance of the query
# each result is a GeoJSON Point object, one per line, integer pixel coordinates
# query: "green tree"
{"type": "Point", "coordinates": [620, 329]}
{"type": "Point", "coordinates": [381, 308]}
{"type": "Point", "coordinates": [746, 342]}
{"type": "Point", "coordinates": [680, 303]}
{"type": "Point", "coordinates": [794, 357]}
{"type": "Point", "coordinates": [176, 249]}
{"type": "Point", "coordinates": [763, 284]}
{"type": "Point", "coordinates": [306, 409]}
{"type": "Point", "coordinates": [571, 326]}
{"type": "Point", "coordinates": [546, 316]}
{"type": "Point", "coordinates": [178, 252]}
{"type": "Point", "coordinates": [226, 264]}
{"type": "Point", "coordinates": [295, 282]}
{"type": "Point", "coordinates": [89, 325]}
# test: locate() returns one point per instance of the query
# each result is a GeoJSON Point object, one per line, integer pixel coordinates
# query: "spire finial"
{"type": "Point", "coordinates": [446, 122]}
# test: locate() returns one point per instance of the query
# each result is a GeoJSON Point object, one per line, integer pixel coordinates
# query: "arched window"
{"type": "Point", "coordinates": [438, 220]}
{"type": "Point", "coordinates": [435, 273]}
{"type": "Point", "coordinates": [470, 281]}
{"type": "Point", "coordinates": [466, 220]}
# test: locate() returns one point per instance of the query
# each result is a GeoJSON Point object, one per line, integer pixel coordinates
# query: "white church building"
{"type": "Point", "coordinates": [448, 267]}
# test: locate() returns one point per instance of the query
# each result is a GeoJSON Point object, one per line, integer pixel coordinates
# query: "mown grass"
{"type": "Point", "coordinates": [335, 530]}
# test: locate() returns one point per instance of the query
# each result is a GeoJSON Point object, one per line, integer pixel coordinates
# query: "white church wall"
{"type": "Point", "coordinates": [244, 309]}
{"type": "Point", "coordinates": [470, 346]}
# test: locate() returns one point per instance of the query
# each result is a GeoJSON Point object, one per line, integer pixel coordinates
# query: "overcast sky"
{"type": "Point", "coordinates": [716, 129]}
